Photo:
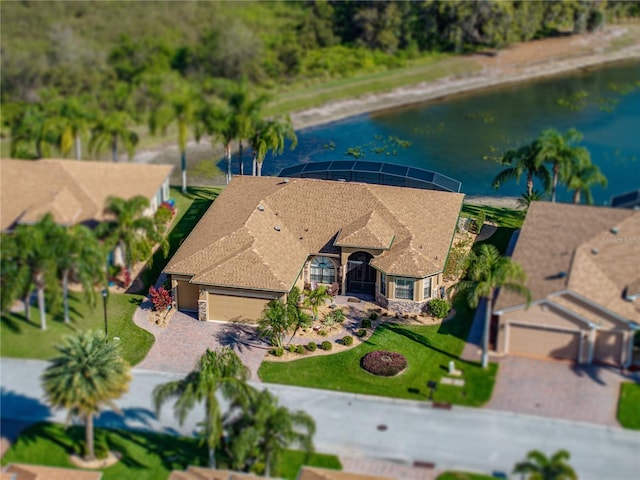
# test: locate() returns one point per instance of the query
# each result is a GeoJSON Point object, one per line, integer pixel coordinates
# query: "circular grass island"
{"type": "Point", "coordinates": [384, 363]}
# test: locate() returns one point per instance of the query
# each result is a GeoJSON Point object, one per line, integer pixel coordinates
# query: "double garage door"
{"type": "Point", "coordinates": [231, 308]}
{"type": "Point", "coordinates": [565, 345]}
{"type": "Point", "coordinates": [541, 342]}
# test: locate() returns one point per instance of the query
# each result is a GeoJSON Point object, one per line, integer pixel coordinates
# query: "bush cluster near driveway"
{"type": "Point", "coordinates": [145, 455]}
{"type": "Point", "coordinates": [428, 350]}
{"type": "Point", "coordinates": [628, 412]}
{"type": "Point", "coordinates": [22, 339]}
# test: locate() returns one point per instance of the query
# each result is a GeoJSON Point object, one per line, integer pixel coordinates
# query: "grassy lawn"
{"type": "Point", "coordinates": [628, 413]}
{"type": "Point", "coordinates": [190, 208]}
{"type": "Point", "coordinates": [503, 217]}
{"type": "Point", "coordinates": [463, 476]}
{"type": "Point", "coordinates": [145, 455]}
{"type": "Point", "coordinates": [428, 350]}
{"type": "Point", "coordinates": [23, 339]}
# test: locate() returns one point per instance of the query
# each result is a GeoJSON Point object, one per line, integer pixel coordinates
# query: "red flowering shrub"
{"type": "Point", "coordinates": [125, 274]}
{"type": "Point", "coordinates": [160, 298]}
{"type": "Point", "coordinates": [165, 213]}
{"type": "Point", "coordinates": [383, 363]}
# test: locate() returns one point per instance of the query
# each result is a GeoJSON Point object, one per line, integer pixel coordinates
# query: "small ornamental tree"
{"type": "Point", "coordinates": [160, 298]}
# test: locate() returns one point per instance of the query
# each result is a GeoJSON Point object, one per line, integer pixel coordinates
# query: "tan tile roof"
{"type": "Point", "coordinates": [18, 471]}
{"type": "Point", "coordinates": [73, 191]}
{"type": "Point", "coordinates": [579, 241]}
{"type": "Point", "coordinates": [201, 473]}
{"type": "Point", "coordinates": [260, 230]}
{"type": "Point", "coordinates": [368, 231]}
{"type": "Point", "coordinates": [314, 473]}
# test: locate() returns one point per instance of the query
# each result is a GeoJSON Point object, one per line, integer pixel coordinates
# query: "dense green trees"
{"type": "Point", "coordinates": [88, 373]}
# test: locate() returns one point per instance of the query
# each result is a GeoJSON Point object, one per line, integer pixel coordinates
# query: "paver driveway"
{"type": "Point", "coordinates": [558, 389]}
{"type": "Point", "coordinates": [179, 345]}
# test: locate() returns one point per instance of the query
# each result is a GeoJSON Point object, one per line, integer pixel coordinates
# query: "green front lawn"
{"type": "Point", "coordinates": [145, 455]}
{"type": "Point", "coordinates": [501, 216]}
{"type": "Point", "coordinates": [22, 339]}
{"type": "Point", "coordinates": [463, 476]}
{"type": "Point", "coordinates": [628, 411]}
{"type": "Point", "coordinates": [428, 350]}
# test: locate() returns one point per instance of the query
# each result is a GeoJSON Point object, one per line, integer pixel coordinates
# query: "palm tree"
{"type": "Point", "coordinates": [274, 323]}
{"type": "Point", "coordinates": [88, 373]}
{"type": "Point", "coordinates": [525, 199]}
{"type": "Point", "coordinates": [81, 258]}
{"type": "Point", "coordinates": [111, 128]}
{"type": "Point", "coordinates": [218, 122]}
{"type": "Point", "coordinates": [524, 160]}
{"type": "Point", "coordinates": [30, 137]}
{"type": "Point", "coordinates": [264, 430]}
{"type": "Point", "coordinates": [130, 229]}
{"type": "Point", "coordinates": [219, 370]}
{"type": "Point", "coordinates": [15, 275]}
{"type": "Point", "coordinates": [297, 318]}
{"type": "Point", "coordinates": [70, 117]}
{"type": "Point", "coordinates": [580, 176]}
{"type": "Point", "coordinates": [539, 467]}
{"type": "Point", "coordinates": [313, 299]}
{"type": "Point", "coordinates": [488, 271]}
{"type": "Point", "coordinates": [271, 135]}
{"type": "Point", "coordinates": [35, 252]}
{"type": "Point", "coordinates": [561, 152]}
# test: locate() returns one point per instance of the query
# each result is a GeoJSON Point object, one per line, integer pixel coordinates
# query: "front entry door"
{"type": "Point", "coordinates": [361, 277]}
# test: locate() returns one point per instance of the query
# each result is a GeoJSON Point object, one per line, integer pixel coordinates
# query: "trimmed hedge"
{"type": "Point", "coordinates": [300, 349]}
{"type": "Point", "coordinates": [373, 316]}
{"type": "Point", "coordinates": [366, 323]}
{"type": "Point", "coordinates": [311, 346]}
{"type": "Point", "coordinates": [383, 363]}
{"type": "Point", "coordinates": [439, 308]}
{"type": "Point", "coordinates": [361, 333]}
{"type": "Point", "coordinates": [278, 352]}
{"type": "Point", "coordinates": [347, 340]}
{"type": "Point", "coordinates": [327, 345]}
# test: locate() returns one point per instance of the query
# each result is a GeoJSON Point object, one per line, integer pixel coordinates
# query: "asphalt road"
{"type": "Point", "coordinates": [348, 424]}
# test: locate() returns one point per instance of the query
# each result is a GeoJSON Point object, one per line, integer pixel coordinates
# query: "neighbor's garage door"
{"type": "Point", "coordinates": [608, 348]}
{"type": "Point", "coordinates": [187, 296]}
{"type": "Point", "coordinates": [235, 309]}
{"type": "Point", "coordinates": [539, 342]}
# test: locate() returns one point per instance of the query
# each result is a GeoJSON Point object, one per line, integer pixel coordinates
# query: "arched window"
{"type": "Point", "coordinates": [323, 270]}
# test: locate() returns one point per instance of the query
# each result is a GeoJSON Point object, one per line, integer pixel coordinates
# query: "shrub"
{"type": "Point", "coordinates": [326, 345]}
{"type": "Point", "coordinates": [278, 352]}
{"type": "Point", "coordinates": [361, 333]}
{"type": "Point", "coordinates": [160, 298]}
{"type": "Point", "coordinates": [300, 349]}
{"type": "Point", "coordinates": [311, 346]}
{"type": "Point", "coordinates": [163, 215]}
{"type": "Point", "coordinates": [366, 323]}
{"type": "Point", "coordinates": [338, 315]}
{"type": "Point", "coordinates": [347, 340]}
{"type": "Point", "coordinates": [480, 221]}
{"type": "Point", "coordinates": [292, 348]}
{"type": "Point", "coordinates": [328, 320]}
{"type": "Point", "coordinates": [439, 308]}
{"type": "Point", "coordinates": [383, 363]}
{"type": "Point", "coordinates": [322, 333]}
{"type": "Point", "coordinates": [373, 316]}
{"type": "Point", "coordinates": [101, 448]}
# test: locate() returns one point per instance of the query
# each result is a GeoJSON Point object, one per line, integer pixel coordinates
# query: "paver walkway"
{"type": "Point", "coordinates": [558, 389]}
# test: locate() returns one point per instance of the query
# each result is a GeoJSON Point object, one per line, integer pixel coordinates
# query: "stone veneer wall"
{"type": "Point", "coordinates": [202, 310]}
{"type": "Point", "coordinates": [406, 306]}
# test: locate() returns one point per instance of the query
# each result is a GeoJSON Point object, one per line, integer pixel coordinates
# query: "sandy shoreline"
{"type": "Point", "coordinates": [496, 71]}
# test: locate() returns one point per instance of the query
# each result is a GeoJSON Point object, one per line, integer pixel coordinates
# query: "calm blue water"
{"type": "Point", "coordinates": [452, 136]}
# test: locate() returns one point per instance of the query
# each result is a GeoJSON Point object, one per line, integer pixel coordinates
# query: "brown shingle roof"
{"type": "Point", "coordinates": [72, 191]}
{"type": "Point", "coordinates": [579, 241]}
{"type": "Point", "coordinates": [260, 230]}
{"type": "Point", "coordinates": [368, 231]}
{"type": "Point", "coordinates": [314, 473]}
{"type": "Point", "coordinates": [18, 471]}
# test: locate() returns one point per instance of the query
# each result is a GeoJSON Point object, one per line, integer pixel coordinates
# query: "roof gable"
{"type": "Point", "coordinates": [368, 231]}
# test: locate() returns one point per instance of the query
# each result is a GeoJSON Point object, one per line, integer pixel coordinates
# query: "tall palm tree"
{"type": "Point", "coordinates": [561, 152]}
{"type": "Point", "coordinates": [81, 258]}
{"type": "Point", "coordinates": [525, 199]}
{"type": "Point", "coordinates": [30, 134]}
{"type": "Point", "coordinates": [15, 275]}
{"type": "Point", "coordinates": [271, 135]}
{"type": "Point", "coordinates": [297, 317]}
{"type": "Point", "coordinates": [539, 467]}
{"type": "Point", "coordinates": [88, 374]}
{"type": "Point", "coordinates": [580, 176]}
{"type": "Point", "coordinates": [35, 250]}
{"type": "Point", "coordinates": [218, 122]}
{"type": "Point", "coordinates": [264, 430]}
{"type": "Point", "coordinates": [70, 117]}
{"type": "Point", "coordinates": [525, 160]}
{"type": "Point", "coordinates": [274, 323]}
{"type": "Point", "coordinates": [112, 128]}
{"type": "Point", "coordinates": [217, 371]}
{"type": "Point", "coordinates": [315, 298]}
{"type": "Point", "coordinates": [130, 229]}
{"type": "Point", "coordinates": [488, 271]}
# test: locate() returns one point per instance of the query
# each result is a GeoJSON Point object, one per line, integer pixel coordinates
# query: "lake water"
{"type": "Point", "coordinates": [452, 136]}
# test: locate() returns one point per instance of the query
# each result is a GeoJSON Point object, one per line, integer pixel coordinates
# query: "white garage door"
{"type": "Point", "coordinates": [540, 342]}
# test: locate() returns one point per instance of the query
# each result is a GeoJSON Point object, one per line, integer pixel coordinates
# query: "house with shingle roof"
{"type": "Point", "coordinates": [583, 271]}
{"type": "Point", "coordinates": [72, 191]}
{"type": "Point", "coordinates": [265, 235]}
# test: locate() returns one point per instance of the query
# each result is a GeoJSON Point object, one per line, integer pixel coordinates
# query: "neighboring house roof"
{"type": "Point", "coordinates": [73, 191]}
{"type": "Point", "coordinates": [578, 255]}
{"type": "Point", "coordinates": [260, 230]}
{"type": "Point", "coordinates": [17, 471]}
{"type": "Point", "coordinates": [201, 473]}
{"type": "Point", "coordinates": [314, 473]}
{"type": "Point", "coordinates": [627, 200]}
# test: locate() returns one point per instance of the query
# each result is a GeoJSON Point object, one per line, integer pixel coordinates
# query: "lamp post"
{"type": "Point", "coordinates": [105, 293]}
